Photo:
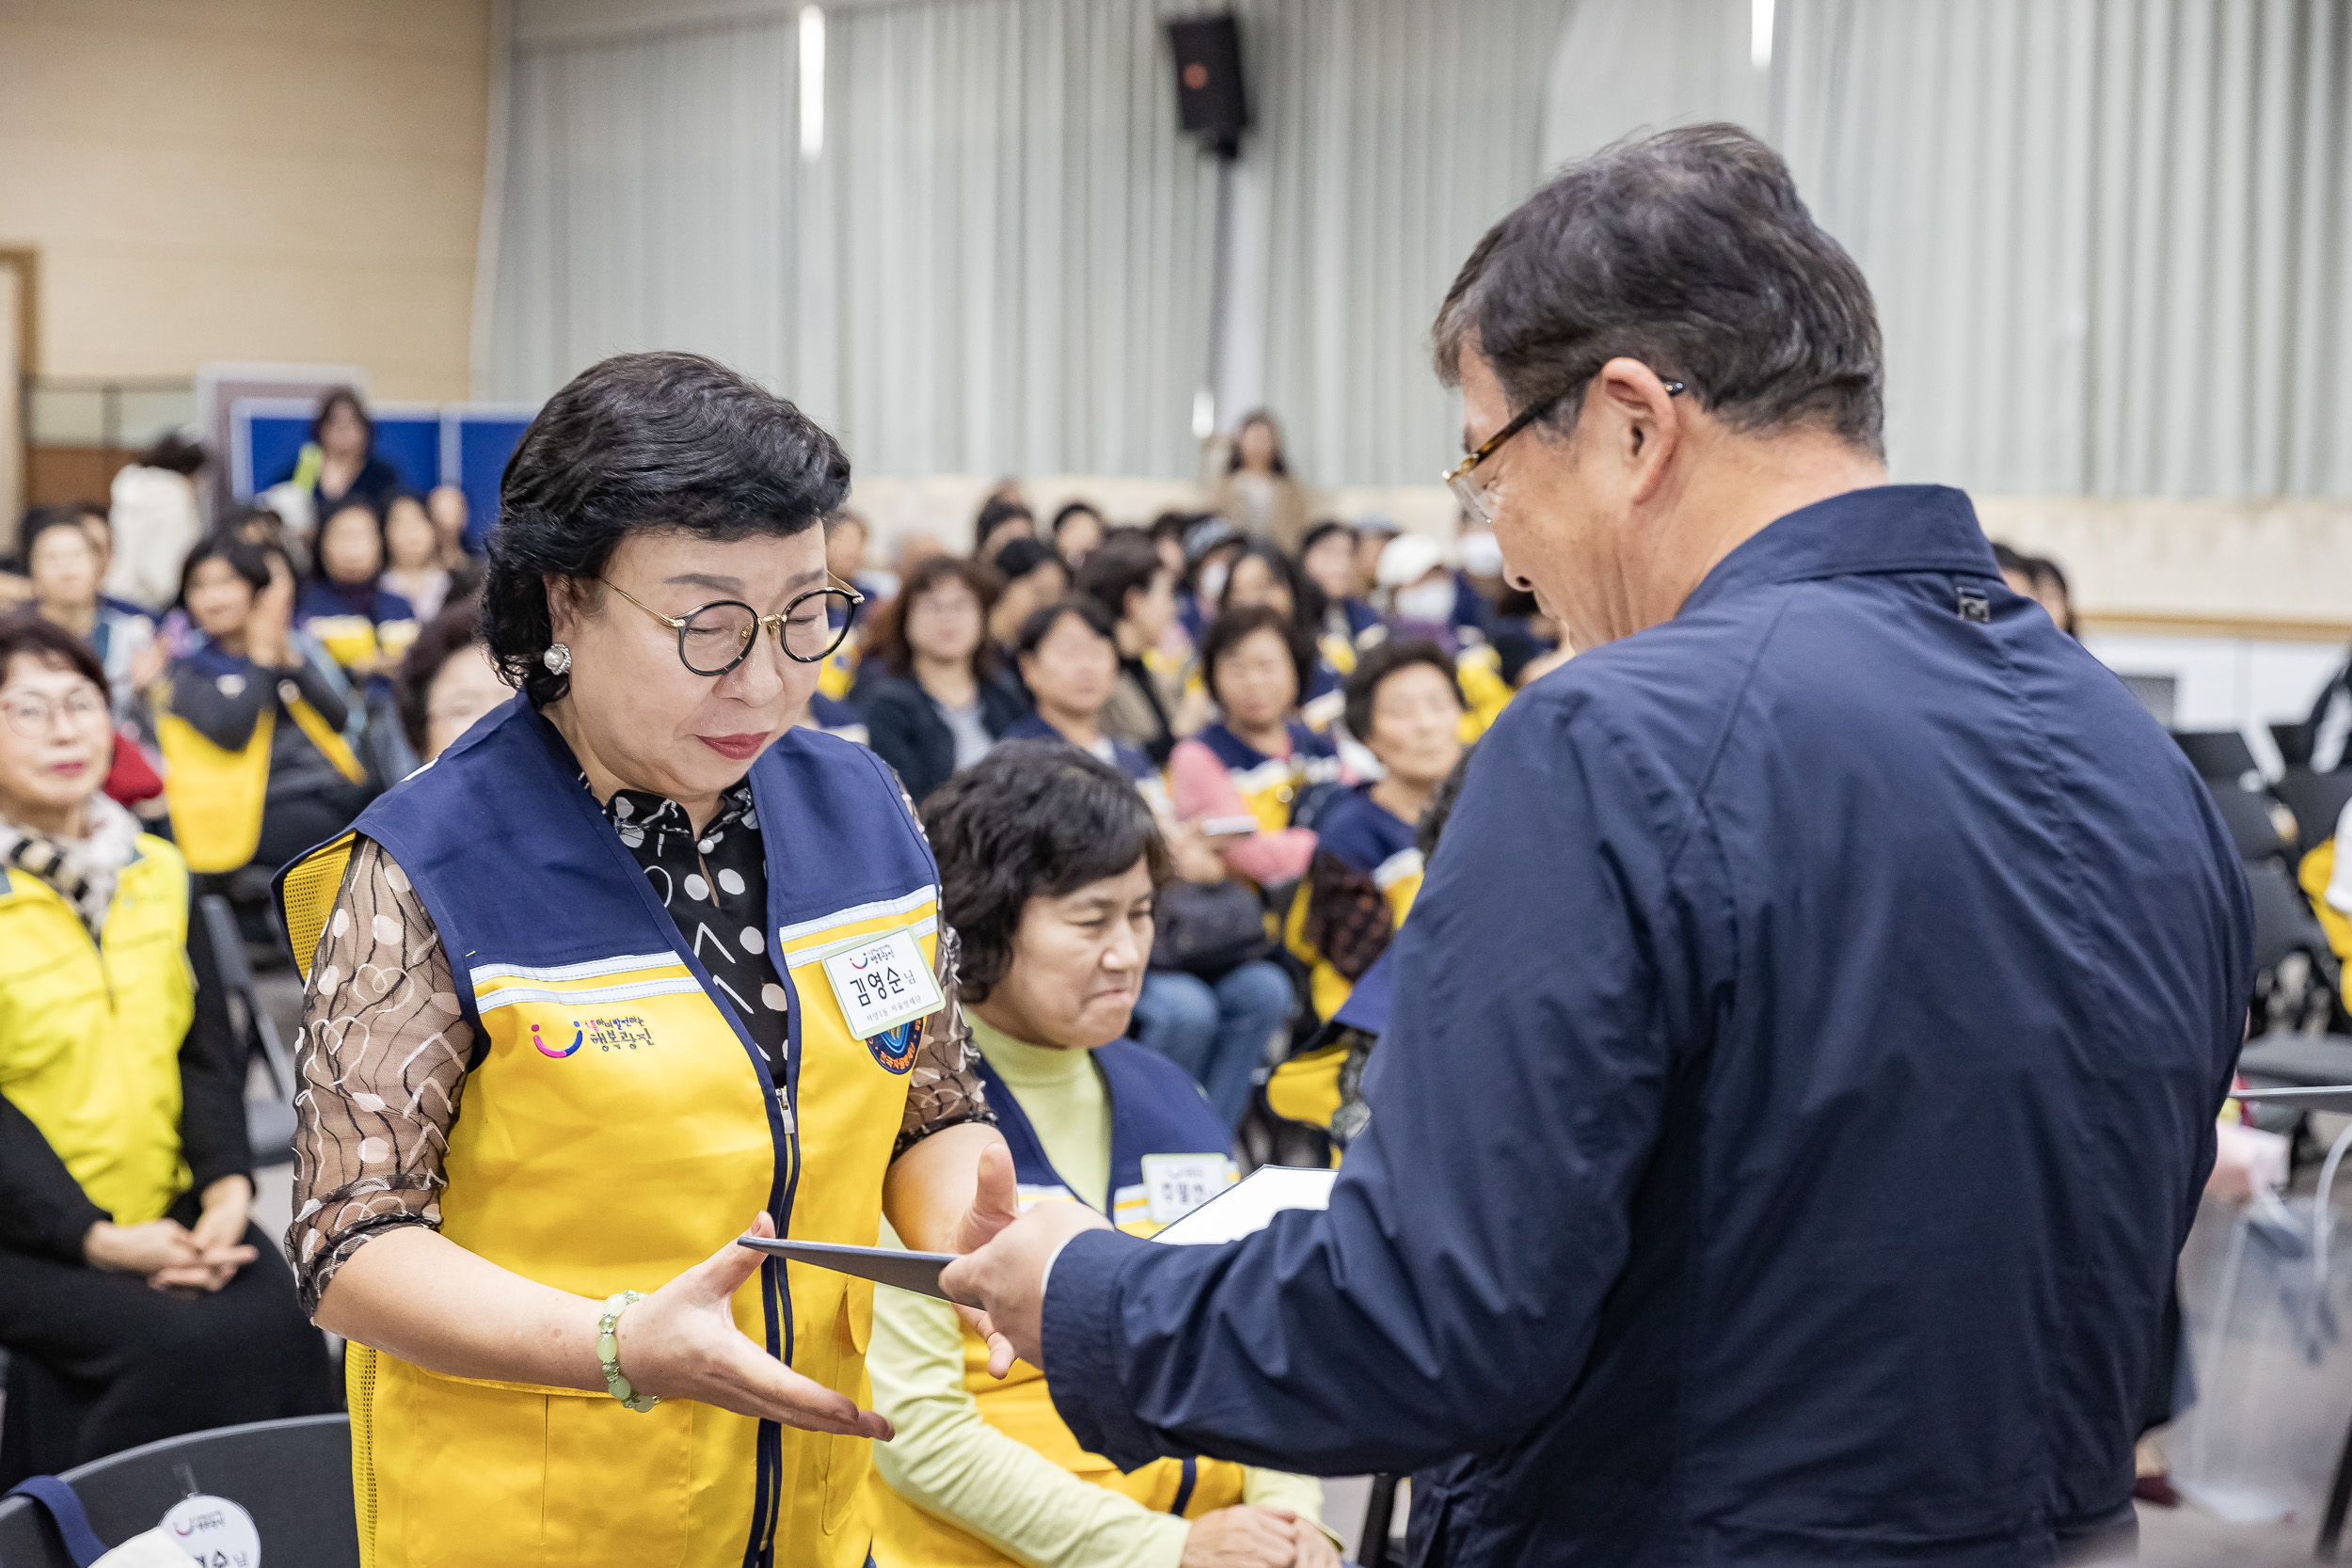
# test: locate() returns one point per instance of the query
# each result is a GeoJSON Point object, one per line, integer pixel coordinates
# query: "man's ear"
{"type": "Point", "coordinates": [1646, 421]}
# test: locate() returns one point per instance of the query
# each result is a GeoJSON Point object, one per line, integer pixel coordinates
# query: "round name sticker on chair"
{"type": "Point", "coordinates": [214, 1532]}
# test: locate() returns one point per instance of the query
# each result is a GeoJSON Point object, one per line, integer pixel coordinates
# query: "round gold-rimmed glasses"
{"type": "Point", "coordinates": [718, 636]}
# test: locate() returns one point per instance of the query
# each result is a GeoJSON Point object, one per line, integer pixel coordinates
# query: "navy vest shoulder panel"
{"type": "Point", "coordinates": [1155, 1109]}
{"type": "Point", "coordinates": [508, 847]}
{"type": "Point", "coordinates": [1230, 749]}
{"type": "Point", "coordinates": [1361, 831]}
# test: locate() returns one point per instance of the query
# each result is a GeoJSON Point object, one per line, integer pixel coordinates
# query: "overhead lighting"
{"type": "Point", "coordinates": [812, 82]}
{"type": "Point", "coordinates": [1759, 34]}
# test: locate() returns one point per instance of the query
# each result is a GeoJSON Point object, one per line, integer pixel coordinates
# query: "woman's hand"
{"type": "Point", "coordinates": [1314, 1547]}
{"type": "Point", "coordinates": [1196, 859]}
{"type": "Point", "coordinates": [1246, 1537]}
{"type": "Point", "coordinates": [219, 1238]}
{"type": "Point", "coordinates": [266, 626]}
{"type": "Point", "coordinates": [140, 1248]}
{"type": "Point", "coordinates": [681, 1344]}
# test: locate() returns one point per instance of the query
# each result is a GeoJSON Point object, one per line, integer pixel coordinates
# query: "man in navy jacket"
{"type": "Point", "coordinates": [1806, 1044]}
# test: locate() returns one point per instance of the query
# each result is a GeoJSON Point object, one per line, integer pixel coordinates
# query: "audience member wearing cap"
{"type": "Point", "coordinates": [1210, 545]}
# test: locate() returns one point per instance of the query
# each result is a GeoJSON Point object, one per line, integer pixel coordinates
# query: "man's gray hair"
{"type": "Point", "coordinates": [1690, 251]}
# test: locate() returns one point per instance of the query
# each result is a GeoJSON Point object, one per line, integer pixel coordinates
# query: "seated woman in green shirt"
{"type": "Point", "coordinates": [1048, 860]}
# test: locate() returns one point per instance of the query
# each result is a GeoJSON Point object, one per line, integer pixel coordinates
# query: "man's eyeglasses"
{"type": "Point", "coordinates": [1468, 490]}
{"type": "Point", "coordinates": [716, 638]}
{"type": "Point", "coordinates": [33, 716]}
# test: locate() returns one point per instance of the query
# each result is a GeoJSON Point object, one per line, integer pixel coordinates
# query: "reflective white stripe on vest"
{"type": "Point", "coordinates": [811, 952]}
{"type": "Point", "coordinates": [631, 993]}
{"type": "Point", "coordinates": [786, 935]}
{"type": "Point", "coordinates": [588, 971]}
{"type": "Point", "coordinates": [1404, 863]}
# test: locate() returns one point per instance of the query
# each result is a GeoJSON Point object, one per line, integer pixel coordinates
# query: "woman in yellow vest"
{"type": "Point", "coordinates": [632, 968]}
{"type": "Point", "coordinates": [139, 1300]}
{"type": "Point", "coordinates": [1048, 862]}
{"type": "Point", "coordinates": [251, 718]}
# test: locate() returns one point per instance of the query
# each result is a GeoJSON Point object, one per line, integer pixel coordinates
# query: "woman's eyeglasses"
{"type": "Point", "coordinates": [33, 716]}
{"type": "Point", "coordinates": [716, 638]}
{"type": "Point", "coordinates": [1468, 491]}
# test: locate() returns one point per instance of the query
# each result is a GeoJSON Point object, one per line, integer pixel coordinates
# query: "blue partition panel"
{"type": "Point", "coordinates": [475, 444]}
{"type": "Point", "coordinates": [267, 434]}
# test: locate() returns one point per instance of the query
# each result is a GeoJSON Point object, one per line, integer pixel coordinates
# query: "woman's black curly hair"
{"type": "Point", "coordinates": [643, 443]}
{"type": "Point", "coordinates": [1032, 819]}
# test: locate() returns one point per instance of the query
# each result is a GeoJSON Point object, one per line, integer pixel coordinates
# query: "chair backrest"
{"type": "Point", "coordinates": [2251, 824]}
{"type": "Point", "coordinates": [293, 1476]}
{"type": "Point", "coordinates": [2220, 755]}
{"type": "Point", "coordinates": [2317, 801]}
{"type": "Point", "coordinates": [269, 1124]}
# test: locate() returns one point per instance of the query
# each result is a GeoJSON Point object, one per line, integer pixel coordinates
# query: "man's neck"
{"type": "Point", "coordinates": [1726, 504]}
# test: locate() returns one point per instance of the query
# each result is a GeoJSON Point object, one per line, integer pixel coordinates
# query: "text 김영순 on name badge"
{"type": "Point", "coordinates": [1176, 1185]}
{"type": "Point", "coordinates": [883, 983]}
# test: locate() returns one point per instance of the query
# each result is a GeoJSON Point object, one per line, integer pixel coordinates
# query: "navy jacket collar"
{"type": "Point", "coordinates": [1886, 528]}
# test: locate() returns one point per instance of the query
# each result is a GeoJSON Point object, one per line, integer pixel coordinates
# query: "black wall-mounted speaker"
{"type": "Point", "coordinates": [1210, 102]}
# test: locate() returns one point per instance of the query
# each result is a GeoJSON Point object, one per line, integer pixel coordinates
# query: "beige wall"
{"type": "Point", "coordinates": [274, 179]}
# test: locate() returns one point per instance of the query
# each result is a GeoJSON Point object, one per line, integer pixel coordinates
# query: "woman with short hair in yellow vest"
{"type": "Point", "coordinates": [1048, 861]}
{"type": "Point", "coordinates": [139, 1301]}
{"type": "Point", "coordinates": [250, 719]}
{"type": "Point", "coordinates": [633, 968]}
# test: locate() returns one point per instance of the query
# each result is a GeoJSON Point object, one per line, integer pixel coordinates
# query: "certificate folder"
{"type": "Point", "coordinates": [885, 1265]}
{"type": "Point", "coordinates": [1245, 1207]}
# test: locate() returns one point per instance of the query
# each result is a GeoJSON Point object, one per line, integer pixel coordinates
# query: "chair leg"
{"type": "Point", "coordinates": [2339, 1498]}
{"type": "Point", "coordinates": [1371, 1547]}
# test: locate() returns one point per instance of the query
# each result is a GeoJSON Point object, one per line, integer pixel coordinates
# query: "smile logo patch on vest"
{"type": "Point", "coordinates": [894, 1047]}
{"type": "Point", "coordinates": [546, 1050]}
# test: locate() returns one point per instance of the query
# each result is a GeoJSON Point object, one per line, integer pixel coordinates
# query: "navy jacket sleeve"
{"type": "Point", "coordinates": [1447, 1299]}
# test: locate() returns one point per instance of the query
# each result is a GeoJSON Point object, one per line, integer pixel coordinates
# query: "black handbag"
{"type": "Point", "coordinates": [1206, 928]}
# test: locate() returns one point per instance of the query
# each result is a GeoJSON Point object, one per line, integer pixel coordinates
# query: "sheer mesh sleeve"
{"type": "Point", "coordinates": [382, 1059]}
{"type": "Point", "coordinates": [943, 1087]}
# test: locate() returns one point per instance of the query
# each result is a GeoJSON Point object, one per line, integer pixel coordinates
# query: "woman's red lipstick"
{"type": "Point", "coordinates": [742, 747]}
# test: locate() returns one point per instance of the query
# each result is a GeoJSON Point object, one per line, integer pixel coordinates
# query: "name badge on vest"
{"type": "Point", "coordinates": [886, 989]}
{"type": "Point", "coordinates": [1176, 1185]}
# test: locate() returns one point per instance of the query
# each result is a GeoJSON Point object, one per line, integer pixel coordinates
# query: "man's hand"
{"type": "Point", "coordinates": [1247, 1537]}
{"type": "Point", "coordinates": [1004, 1279]}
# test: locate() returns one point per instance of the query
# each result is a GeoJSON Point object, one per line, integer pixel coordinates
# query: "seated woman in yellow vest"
{"type": "Point", "coordinates": [635, 967]}
{"type": "Point", "coordinates": [1403, 704]}
{"type": "Point", "coordinates": [365, 626]}
{"type": "Point", "coordinates": [1047, 865]}
{"type": "Point", "coordinates": [1258, 760]}
{"type": "Point", "coordinates": [139, 1300]}
{"type": "Point", "coordinates": [251, 718]}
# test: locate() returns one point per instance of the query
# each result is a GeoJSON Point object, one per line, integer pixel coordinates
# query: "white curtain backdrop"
{"type": "Point", "coordinates": [1392, 134]}
{"type": "Point", "coordinates": [2107, 237]}
{"type": "Point", "coordinates": [1000, 263]}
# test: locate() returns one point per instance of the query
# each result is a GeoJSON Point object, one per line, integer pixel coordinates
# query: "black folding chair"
{"type": "Point", "coordinates": [293, 1476]}
{"type": "Point", "coordinates": [2252, 826]}
{"type": "Point", "coordinates": [2220, 755]}
{"type": "Point", "coordinates": [269, 1124]}
{"type": "Point", "coordinates": [2317, 800]}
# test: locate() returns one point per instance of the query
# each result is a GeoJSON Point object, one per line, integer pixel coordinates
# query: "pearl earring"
{"type": "Point", "coordinates": [558, 658]}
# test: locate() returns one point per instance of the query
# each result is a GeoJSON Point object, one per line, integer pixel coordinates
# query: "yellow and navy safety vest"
{"type": "Point", "coordinates": [1323, 1084]}
{"type": "Point", "coordinates": [90, 1031]}
{"type": "Point", "coordinates": [1156, 1109]}
{"type": "Point", "coordinates": [217, 794]}
{"type": "Point", "coordinates": [1375, 841]}
{"type": "Point", "coordinates": [617, 1128]}
{"type": "Point", "coordinates": [1270, 786]}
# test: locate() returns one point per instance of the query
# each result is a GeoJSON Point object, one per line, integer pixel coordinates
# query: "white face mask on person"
{"type": "Point", "coordinates": [1430, 600]}
{"type": "Point", "coordinates": [1213, 581]}
{"type": "Point", "coordinates": [1482, 553]}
